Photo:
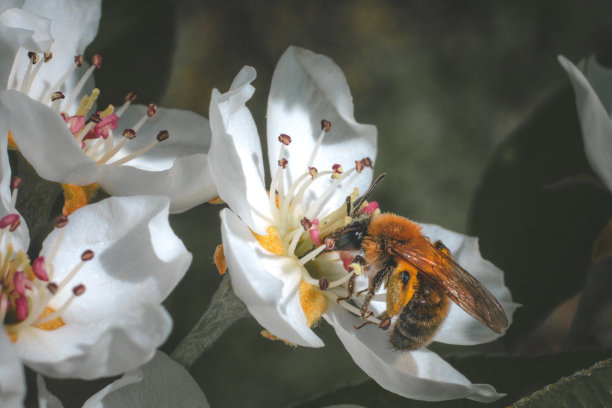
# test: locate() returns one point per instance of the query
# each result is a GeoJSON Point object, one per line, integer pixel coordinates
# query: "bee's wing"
{"type": "Point", "coordinates": [457, 283]}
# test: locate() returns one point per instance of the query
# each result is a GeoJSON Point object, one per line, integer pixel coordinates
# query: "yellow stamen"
{"type": "Point", "coordinates": [313, 302]}
{"type": "Point", "coordinates": [219, 259]}
{"type": "Point", "coordinates": [51, 324]}
{"type": "Point", "coordinates": [270, 336]}
{"type": "Point", "coordinates": [271, 242]}
{"type": "Point", "coordinates": [11, 142]}
{"type": "Point", "coordinates": [76, 197]}
{"type": "Point", "coordinates": [216, 200]}
{"type": "Point", "coordinates": [87, 102]}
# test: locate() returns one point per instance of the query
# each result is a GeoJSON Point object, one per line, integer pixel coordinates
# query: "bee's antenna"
{"type": "Point", "coordinates": [357, 205]}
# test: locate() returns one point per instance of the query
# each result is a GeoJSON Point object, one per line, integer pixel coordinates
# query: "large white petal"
{"type": "Point", "coordinates": [235, 158]}
{"type": "Point", "coordinates": [268, 284]}
{"type": "Point", "coordinates": [177, 167]}
{"type": "Point", "coordinates": [307, 87]}
{"type": "Point", "coordinates": [12, 380]}
{"type": "Point", "coordinates": [138, 261]}
{"type": "Point", "coordinates": [594, 121]}
{"type": "Point", "coordinates": [163, 383]}
{"type": "Point", "coordinates": [420, 374]}
{"type": "Point", "coordinates": [74, 24]}
{"type": "Point", "coordinates": [21, 236]}
{"type": "Point", "coordinates": [459, 327]}
{"type": "Point", "coordinates": [45, 141]}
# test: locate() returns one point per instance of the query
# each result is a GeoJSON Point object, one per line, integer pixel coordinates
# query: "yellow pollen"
{"type": "Point", "coordinates": [12, 336]}
{"type": "Point", "coordinates": [87, 102]}
{"type": "Point", "coordinates": [76, 197]}
{"type": "Point", "coordinates": [271, 242]}
{"type": "Point", "coordinates": [219, 259]}
{"type": "Point", "coordinates": [11, 142]}
{"type": "Point", "coordinates": [216, 200]}
{"type": "Point", "coordinates": [51, 324]}
{"type": "Point", "coordinates": [313, 302]}
{"type": "Point", "coordinates": [109, 109]}
{"type": "Point", "coordinates": [270, 336]}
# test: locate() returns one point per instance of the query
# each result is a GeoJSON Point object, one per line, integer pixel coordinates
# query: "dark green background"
{"type": "Point", "coordinates": [445, 83]}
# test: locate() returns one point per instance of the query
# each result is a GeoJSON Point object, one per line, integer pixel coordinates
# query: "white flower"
{"type": "Point", "coordinates": [160, 383]}
{"type": "Point", "coordinates": [12, 381]}
{"type": "Point", "coordinates": [264, 238]}
{"type": "Point", "coordinates": [594, 103]}
{"type": "Point", "coordinates": [55, 125]}
{"type": "Point", "coordinates": [89, 305]}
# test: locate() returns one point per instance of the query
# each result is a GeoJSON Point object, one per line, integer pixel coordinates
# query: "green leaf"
{"type": "Point", "coordinates": [136, 40]}
{"type": "Point", "coordinates": [511, 374]}
{"type": "Point", "coordinates": [587, 388]}
{"type": "Point", "coordinates": [538, 211]}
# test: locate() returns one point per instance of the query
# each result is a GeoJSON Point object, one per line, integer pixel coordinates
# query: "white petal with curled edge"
{"type": "Point", "coordinates": [235, 158]}
{"type": "Point", "coordinates": [594, 121]}
{"type": "Point", "coordinates": [268, 284]}
{"type": "Point", "coordinates": [459, 327]}
{"type": "Point", "coordinates": [12, 380]}
{"type": "Point", "coordinates": [420, 374]}
{"type": "Point", "coordinates": [138, 261]}
{"type": "Point", "coordinates": [45, 141]}
{"type": "Point", "coordinates": [176, 167]}
{"type": "Point", "coordinates": [21, 236]}
{"type": "Point", "coordinates": [163, 383]}
{"type": "Point", "coordinates": [74, 24]}
{"type": "Point", "coordinates": [307, 87]}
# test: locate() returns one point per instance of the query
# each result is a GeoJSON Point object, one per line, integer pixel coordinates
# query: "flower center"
{"type": "Point", "coordinates": [94, 134]}
{"type": "Point", "coordinates": [299, 224]}
{"type": "Point", "coordinates": [27, 288]}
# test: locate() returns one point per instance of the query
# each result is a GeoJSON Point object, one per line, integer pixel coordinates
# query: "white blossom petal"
{"type": "Point", "coordinates": [306, 88]}
{"type": "Point", "coordinates": [74, 24]}
{"type": "Point", "coordinates": [21, 236]}
{"type": "Point", "coordinates": [160, 383]}
{"type": "Point", "coordinates": [138, 261]}
{"type": "Point", "coordinates": [594, 121]}
{"type": "Point", "coordinates": [45, 140]}
{"type": "Point", "coordinates": [420, 374]}
{"type": "Point", "coordinates": [12, 380]}
{"type": "Point", "coordinates": [235, 158]}
{"type": "Point", "coordinates": [177, 167]}
{"type": "Point", "coordinates": [268, 284]}
{"type": "Point", "coordinates": [459, 327]}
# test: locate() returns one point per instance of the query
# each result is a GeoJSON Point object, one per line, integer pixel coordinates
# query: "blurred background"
{"type": "Point", "coordinates": [476, 121]}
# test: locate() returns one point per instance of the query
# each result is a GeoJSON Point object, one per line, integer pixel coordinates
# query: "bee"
{"type": "Point", "coordinates": [421, 277]}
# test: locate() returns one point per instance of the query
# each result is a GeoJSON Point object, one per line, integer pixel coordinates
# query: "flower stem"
{"type": "Point", "coordinates": [225, 308]}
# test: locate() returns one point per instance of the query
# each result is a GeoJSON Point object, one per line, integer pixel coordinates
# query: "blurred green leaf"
{"type": "Point", "coordinates": [538, 211]}
{"type": "Point", "coordinates": [136, 40]}
{"type": "Point", "coordinates": [515, 375]}
{"type": "Point", "coordinates": [586, 388]}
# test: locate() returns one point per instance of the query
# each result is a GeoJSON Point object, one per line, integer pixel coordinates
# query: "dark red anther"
{"type": "Point", "coordinates": [52, 288]}
{"type": "Point", "coordinates": [78, 290]}
{"type": "Point", "coordinates": [283, 163]}
{"type": "Point", "coordinates": [162, 135]}
{"type": "Point", "coordinates": [7, 220]}
{"type": "Point", "coordinates": [130, 97]}
{"type": "Point", "coordinates": [15, 224]}
{"type": "Point", "coordinates": [57, 95]}
{"type": "Point", "coordinates": [95, 118]}
{"type": "Point", "coordinates": [367, 162]}
{"type": "Point", "coordinates": [359, 166]}
{"type": "Point", "coordinates": [61, 221]}
{"type": "Point", "coordinates": [96, 60]}
{"type": "Point", "coordinates": [78, 60]}
{"type": "Point", "coordinates": [330, 243]}
{"type": "Point", "coordinates": [313, 172]}
{"type": "Point", "coordinates": [284, 139]}
{"type": "Point", "coordinates": [323, 283]}
{"type": "Point", "coordinates": [87, 255]}
{"type": "Point", "coordinates": [33, 57]}
{"type": "Point", "coordinates": [129, 134]}
{"type": "Point", "coordinates": [325, 125]}
{"type": "Point", "coordinates": [151, 110]}
{"type": "Point", "coordinates": [47, 56]}
{"type": "Point", "coordinates": [306, 224]}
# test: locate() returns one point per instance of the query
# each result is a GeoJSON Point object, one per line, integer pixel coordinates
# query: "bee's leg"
{"type": "Point", "coordinates": [385, 321]}
{"type": "Point", "coordinates": [442, 248]}
{"type": "Point", "coordinates": [375, 284]}
{"type": "Point", "coordinates": [351, 289]}
{"type": "Point", "coordinates": [348, 206]}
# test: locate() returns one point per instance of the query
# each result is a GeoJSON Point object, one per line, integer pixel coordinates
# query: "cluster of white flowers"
{"type": "Point", "coordinates": [89, 305]}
